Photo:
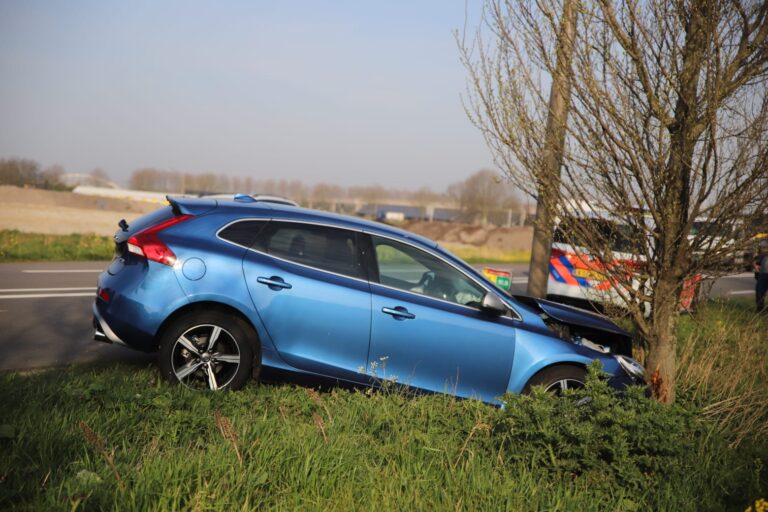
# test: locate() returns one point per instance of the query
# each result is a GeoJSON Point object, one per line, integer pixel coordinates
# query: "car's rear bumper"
{"type": "Point", "coordinates": [103, 332]}
{"type": "Point", "coordinates": [139, 297]}
{"type": "Point", "coordinates": [110, 328]}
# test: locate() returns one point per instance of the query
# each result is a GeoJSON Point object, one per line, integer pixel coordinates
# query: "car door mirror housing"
{"type": "Point", "coordinates": [493, 304]}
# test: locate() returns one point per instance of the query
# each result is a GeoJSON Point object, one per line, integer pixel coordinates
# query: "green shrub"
{"type": "Point", "coordinates": [608, 440]}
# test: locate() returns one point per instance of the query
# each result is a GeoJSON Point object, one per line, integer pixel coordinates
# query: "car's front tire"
{"type": "Point", "coordinates": [557, 379]}
{"type": "Point", "coordinates": [210, 349]}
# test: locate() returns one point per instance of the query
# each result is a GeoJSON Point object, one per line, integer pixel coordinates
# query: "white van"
{"type": "Point", "coordinates": [578, 278]}
{"type": "Point", "coordinates": [575, 276]}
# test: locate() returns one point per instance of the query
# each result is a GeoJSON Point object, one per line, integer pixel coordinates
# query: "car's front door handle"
{"type": "Point", "coordinates": [275, 283]}
{"type": "Point", "coordinates": [399, 312]}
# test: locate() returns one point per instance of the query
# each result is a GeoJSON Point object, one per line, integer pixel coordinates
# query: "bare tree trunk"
{"type": "Point", "coordinates": [674, 203]}
{"type": "Point", "coordinates": [548, 190]}
{"type": "Point", "coordinates": [538, 270]}
{"type": "Point", "coordinates": [661, 361]}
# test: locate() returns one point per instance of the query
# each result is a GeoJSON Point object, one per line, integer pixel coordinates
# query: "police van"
{"type": "Point", "coordinates": [579, 278]}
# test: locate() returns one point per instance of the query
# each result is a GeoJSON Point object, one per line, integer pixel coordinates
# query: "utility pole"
{"type": "Point", "coordinates": [548, 187]}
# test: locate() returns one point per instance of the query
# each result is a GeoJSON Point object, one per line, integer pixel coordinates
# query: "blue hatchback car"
{"type": "Point", "coordinates": [221, 289]}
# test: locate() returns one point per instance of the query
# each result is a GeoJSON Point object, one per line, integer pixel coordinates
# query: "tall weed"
{"type": "Point", "coordinates": [723, 367]}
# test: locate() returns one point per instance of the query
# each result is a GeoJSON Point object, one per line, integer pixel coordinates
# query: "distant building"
{"type": "Point", "coordinates": [392, 212]}
{"type": "Point", "coordinates": [446, 214]}
{"type": "Point", "coordinates": [121, 193]}
{"type": "Point", "coordinates": [397, 212]}
{"type": "Point", "coordinates": [75, 179]}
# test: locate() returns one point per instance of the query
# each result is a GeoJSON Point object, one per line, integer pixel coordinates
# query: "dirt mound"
{"type": "Point", "coordinates": [61, 213]}
{"type": "Point", "coordinates": [492, 237]}
{"type": "Point", "coordinates": [33, 196]}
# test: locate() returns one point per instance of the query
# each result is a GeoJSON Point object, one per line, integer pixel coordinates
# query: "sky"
{"type": "Point", "coordinates": [343, 92]}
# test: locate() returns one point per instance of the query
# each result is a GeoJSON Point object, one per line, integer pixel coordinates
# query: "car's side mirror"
{"type": "Point", "coordinates": [493, 304]}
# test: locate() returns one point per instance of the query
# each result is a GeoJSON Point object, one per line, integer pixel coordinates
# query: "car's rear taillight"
{"type": "Point", "coordinates": [146, 243]}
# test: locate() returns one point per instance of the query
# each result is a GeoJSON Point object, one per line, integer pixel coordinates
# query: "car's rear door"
{"type": "Point", "coordinates": [310, 289]}
{"type": "Point", "coordinates": [427, 329]}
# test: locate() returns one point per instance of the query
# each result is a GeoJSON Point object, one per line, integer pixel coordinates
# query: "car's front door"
{"type": "Point", "coordinates": [309, 287]}
{"type": "Point", "coordinates": [427, 329]}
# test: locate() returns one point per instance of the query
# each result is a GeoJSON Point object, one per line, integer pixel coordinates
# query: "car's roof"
{"type": "Point", "coordinates": [283, 211]}
{"type": "Point", "coordinates": [269, 198]}
{"type": "Point", "coordinates": [275, 199]}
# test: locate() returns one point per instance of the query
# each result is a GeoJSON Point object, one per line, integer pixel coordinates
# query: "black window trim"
{"type": "Point", "coordinates": [368, 259]}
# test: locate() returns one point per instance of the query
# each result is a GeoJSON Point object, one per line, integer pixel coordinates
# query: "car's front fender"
{"type": "Point", "coordinates": [536, 351]}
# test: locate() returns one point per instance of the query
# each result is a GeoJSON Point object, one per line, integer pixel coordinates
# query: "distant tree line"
{"type": "Point", "coordinates": [481, 197]}
{"type": "Point", "coordinates": [484, 197]}
{"type": "Point", "coordinates": [23, 172]}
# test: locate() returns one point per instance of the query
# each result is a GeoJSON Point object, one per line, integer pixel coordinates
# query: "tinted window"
{"type": "Point", "coordinates": [708, 228]}
{"type": "Point", "coordinates": [619, 236]}
{"type": "Point", "coordinates": [407, 268]}
{"type": "Point", "coordinates": [244, 232]}
{"type": "Point", "coordinates": [322, 247]}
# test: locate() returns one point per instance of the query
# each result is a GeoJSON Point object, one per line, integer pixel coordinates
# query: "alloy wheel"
{"type": "Point", "coordinates": [205, 356]}
{"type": "Point", "coordinates": [561, 385]}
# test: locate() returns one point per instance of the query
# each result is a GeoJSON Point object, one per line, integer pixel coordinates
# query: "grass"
{"type": "Point", "coordinates": [723, 368]}
{"type": "Point", "coordinates": [118, 437]}
{"type": "Point", "coordinates": [483, 254]}
{"type": "Point", "coordinates": [18, 246]}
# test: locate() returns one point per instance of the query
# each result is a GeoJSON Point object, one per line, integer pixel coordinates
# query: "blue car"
{"type": "Point", "coordinates": [221, 289]}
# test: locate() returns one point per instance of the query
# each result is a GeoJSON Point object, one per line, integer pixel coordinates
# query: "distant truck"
{"type": "Point", "coordinates": [719, 238]}
{"type": "Point", "coordinates": [392, 216]}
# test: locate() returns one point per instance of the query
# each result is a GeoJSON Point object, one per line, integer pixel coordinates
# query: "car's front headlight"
{"type": "Point", "coordinates": [632, 367]}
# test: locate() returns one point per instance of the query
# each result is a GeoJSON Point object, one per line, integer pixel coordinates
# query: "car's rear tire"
{"type": "Point", "coordinates": [209, 349]}
{"type": "Point", "coordinates": [557, 379]}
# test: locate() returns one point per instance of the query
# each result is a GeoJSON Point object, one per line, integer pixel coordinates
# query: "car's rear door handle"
{"type": "Point", "coordinates": [399, 312]}
{"type": "Point", "coordinates": [275, 283]}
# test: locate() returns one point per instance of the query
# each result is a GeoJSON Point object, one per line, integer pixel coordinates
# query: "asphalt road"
{"type": "Point", "coordinates": [45, 313]}
{"type": "Point", "coordinates": [45, 317]}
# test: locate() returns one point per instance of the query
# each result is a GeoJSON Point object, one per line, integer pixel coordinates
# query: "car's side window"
{"type": "Point", "coordinates": [243, 232]}
{"type": "Point", "coordinates": [407, 268]}
{"type": "Point", "coordinates": [321, 247]}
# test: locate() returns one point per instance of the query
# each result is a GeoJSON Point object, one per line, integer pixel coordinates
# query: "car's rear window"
{"type": "Point", "coordinates": [243, 232]}
{"type": "Point", "coordinates": [321, 247]}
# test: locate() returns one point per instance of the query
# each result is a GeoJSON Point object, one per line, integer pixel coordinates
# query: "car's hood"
{"type": "Point", "coordinates": [596, 327]}
{"type": "Point", "coordinates": [576, 316]}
